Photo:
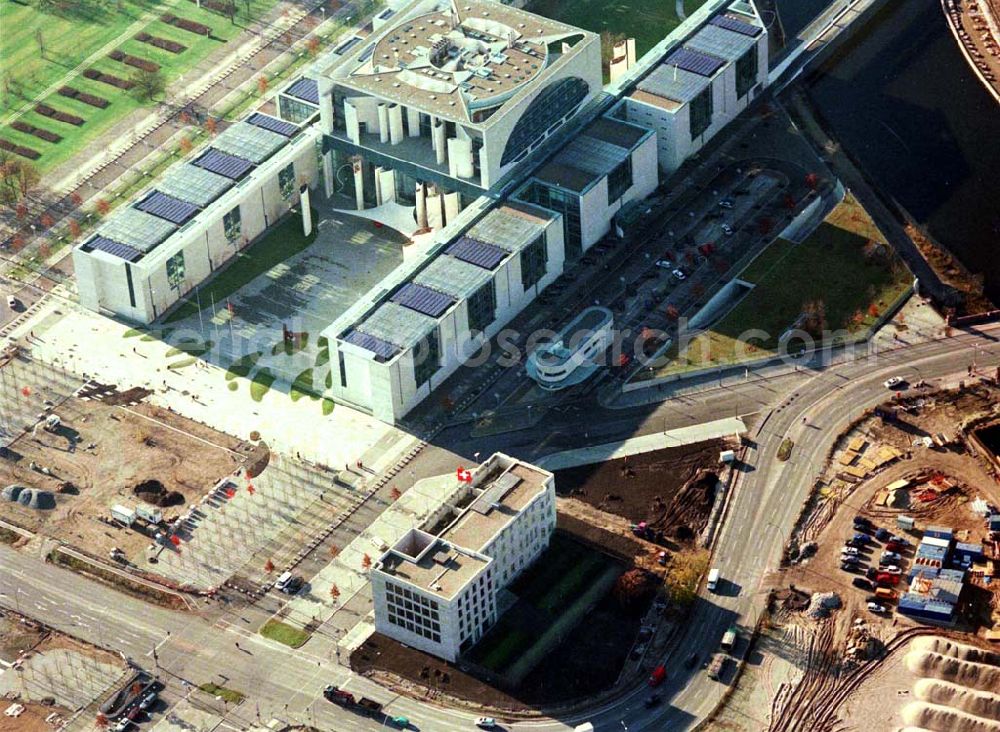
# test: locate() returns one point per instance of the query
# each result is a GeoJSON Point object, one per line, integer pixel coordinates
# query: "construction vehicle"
{"type": "Point", "coordinates": [729, 639]}
{"type": "Point", "coordinates": [716, 666]}
{"type": "Point", "coordinates": [347, 699]}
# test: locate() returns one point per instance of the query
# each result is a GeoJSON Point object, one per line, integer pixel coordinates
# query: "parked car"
{"type": "Point", "coordinates": [862, 583]}
{"type": "Point", "coordinates": [727, 229]}
{"type": "Point", "coordinates": [884, 593]}
{"type": "Point", "coordinates": [883, 534]}
{"type": "Point", "coordinates": [893, 546]}
{"type": "Point", "coordinates": [849, 551]}
{"type": "Point", "coordinates": [893, 381]}
{"type": "Point", "coordinates": [148, 700]}
{"type": "Point", "coordinates": [889, 558]}
{"type": "Point", "coordinates": [651, 701]}
{"type": "Point", "coordinates": [850, 566]}
{"type": "Point", "coordinates": [664, 264]}
{"type": "Point", "coordinates": [850, 559]}
{"type": "Point", "coordinates": [887, 580]}
{"type": "Point", "coordinates": [860, 520]}
{"type": "Point", "coordinates": [658, 675]}
{"type": "Point", "coordinates": [874, 607]}
{"type": "Point", "coordinates": [123, 724]}
{"type": "Point", "coordinates": [891, 569]}
{"type": "Point", "coordinates": [901, 540]}
{"type": "Point", "coordinates": [726, 203]}
{"type": "Point", "coordinates": [871, 573]}
{"type": "Point", "coordinates": [13, 303]}
{"type": "Point", "coordinates": [486, 723]}
{"type": "Point", "coordinates": [862, 538]}
{"type": "Point", "coordinates": [853, 543]}
{"type": "Point", "coordinates": [679, 274]}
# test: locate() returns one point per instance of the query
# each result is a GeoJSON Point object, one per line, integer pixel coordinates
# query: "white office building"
{"type": "Point", "coordinates": [702, 84]}
{"type": "Point", "coordinates": [444, 98]}
{"type": "Point", "coordinates": [436, 589]}
{"type": "Point", "coordinates": [150, 253]}
{"type": "Point", "coordinates": [609, 164]}
{"type": "Point", "coordinates": [410, 340]}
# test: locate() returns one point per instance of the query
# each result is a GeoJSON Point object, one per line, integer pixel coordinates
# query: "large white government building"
{"type": "Point", "coordinates": [436, 589]}
{"type": "Point", "coordinates": [487, 124]}
{"type": "Point", "coordinates": [444, 98]}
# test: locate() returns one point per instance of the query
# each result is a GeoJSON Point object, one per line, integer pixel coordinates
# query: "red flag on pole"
{"type": "Point", "coordinates": [250, 489]}
{"type": "Point", "coordinates": [465, 476]}
{"type": "Point", "coordinates": [25, 391]}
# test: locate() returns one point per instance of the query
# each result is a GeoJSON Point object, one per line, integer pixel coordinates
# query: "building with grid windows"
{"type": "Point", "coordinates": [702, 84]}
{"type": "Point", "coordinates": [391, 356]}
{"type": "Point", "coordinates": [444, 98]}
{"type": "Point", "coordinates": [609, 164]}
{"type": "Point", "coordinates": [437, 588]}
{"type": "Point", "coordinates": [149, 254]}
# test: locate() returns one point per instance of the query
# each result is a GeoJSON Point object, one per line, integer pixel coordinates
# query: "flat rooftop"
{"type": "Point", "coordinates": [593, 154]}
{"type": "Point", "coordinates": [442, 570]}
{"type": "Point", "coordinates": [500, 501]}
{"type": "Point", "coordinates": [455, 58]}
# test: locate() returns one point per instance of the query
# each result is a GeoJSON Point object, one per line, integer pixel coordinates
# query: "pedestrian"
{"type": "Point", "coordinates": [238, 645]}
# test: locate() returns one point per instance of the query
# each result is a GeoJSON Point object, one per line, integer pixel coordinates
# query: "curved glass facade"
{"type": "Point", "coordinates": [557, 101]}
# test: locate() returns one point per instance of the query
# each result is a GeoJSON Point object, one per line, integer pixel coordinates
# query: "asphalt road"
{"type": "Point", "coordinates": [766, 502]}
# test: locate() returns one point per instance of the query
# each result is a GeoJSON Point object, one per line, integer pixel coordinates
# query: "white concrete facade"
{"type": "Point", "coordinates": [388, 387]}
{"type": "Point", "coordinates": [663, 100]}
{"type": "Point", "coordinates": [449, 93]}
{"type": "Point", "coordinates": [141, 291]}
{"type": "Point", "coordinates": [438, 592]}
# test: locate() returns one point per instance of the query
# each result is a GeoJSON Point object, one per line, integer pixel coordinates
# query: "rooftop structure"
{"type": "Point", "coordinates": [574, 355]}
{"type": "Point", "coordinates": [438, 591]}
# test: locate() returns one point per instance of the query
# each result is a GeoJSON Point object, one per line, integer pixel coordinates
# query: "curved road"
{"type": "Point", "coordinates": [286, 683]}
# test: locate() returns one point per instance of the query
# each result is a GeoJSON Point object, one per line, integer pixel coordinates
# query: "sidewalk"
{"type": "Point", "coordinates": [644, 443]}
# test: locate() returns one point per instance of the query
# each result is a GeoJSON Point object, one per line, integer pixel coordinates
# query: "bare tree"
{"type": "Point", "coordinates": [148, 84]}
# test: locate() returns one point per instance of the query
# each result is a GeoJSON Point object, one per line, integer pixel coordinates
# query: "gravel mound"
{"type": "Point", "coordinates": [936, 644]}
{"type": "Point", "coordinates": [37, 499]}
{"type": "Point", "coordinates": [979, 703]}
{"type": "Point", "coordinates": [948, 668]}
{"type": "Point", "coordinates": [821, 603]}
{"type": "Point", "coordinates": [11, 492]}
{"type": "Point", "coordinates": [944, 719]}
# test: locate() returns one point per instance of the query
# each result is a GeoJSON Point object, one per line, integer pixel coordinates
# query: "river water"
{"type": "Point", "coordinates": [904, 103]}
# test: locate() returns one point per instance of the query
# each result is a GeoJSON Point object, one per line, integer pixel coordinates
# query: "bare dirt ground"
{"type": "Point", "coordinates": [843, 672]}
{"type": "Point", "coordinates": [672, 490]}
{"type": "Point", "coordinates": [599, 646]}
{"type": "Point", "coordinates": [98, 455]}
{"type": "Point", "coordinates": [17, 636]}
{"type": "Point", "coordinates": [32, 719]}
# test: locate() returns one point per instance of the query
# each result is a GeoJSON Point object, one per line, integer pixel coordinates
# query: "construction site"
{"type": "Point", "coordinates": [623, 523]}
{"type": "Point", "coordinates": [49, 678]}
{"type": "Point", "coordinates": [886, 607]}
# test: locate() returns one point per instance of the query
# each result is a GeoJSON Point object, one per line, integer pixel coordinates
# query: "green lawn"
{"type": "Point", "coordinates": [229, 695]}
{"type": "Point", "coordinates": [545, 591]}
{"type": "Point", "coordinates": [648, 21]}
{"type": "Point", "coordinates": [70, 37]}
{"type": "Point", "coordinates": [281, 242]}
{"type": "Point", "coordinates": [844, 266]}
{"type": "Point", "coordinates": [284, 633]}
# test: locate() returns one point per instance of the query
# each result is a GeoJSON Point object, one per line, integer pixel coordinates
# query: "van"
{"type": "Point", "coordinates": [713, 579]}
{"type": "Point", "coordinates": [282, 582]}
{"type": "Point", "coordinates": [12, 302]}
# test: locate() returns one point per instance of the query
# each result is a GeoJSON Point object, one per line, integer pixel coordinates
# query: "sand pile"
{"type": "Point", "coordinates": [947, 647]}
{"type": "Point", "coordinates": [948, 668]}
{"type": "Point", "coordinates": [979, 703]}
{"type": "Point", "coordinates": [944, 719]}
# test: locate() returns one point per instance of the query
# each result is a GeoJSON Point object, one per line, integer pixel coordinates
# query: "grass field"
{"type": "Point", "coordinates": [83, 30]}
{"type": "Point", "coordinates": [648, 21]}
{"type": "Point", "coordinates": [845, 265]}
{"type": "Point", "coordinates": [284, 633]}
{"type": "Point", "coordinates": [545, 591]}
{"type": "Point", "coordinates": [281, 242]}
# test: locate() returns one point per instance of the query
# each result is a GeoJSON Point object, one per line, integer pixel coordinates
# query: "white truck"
{"type": "Point", "coordinates": [713, 579]}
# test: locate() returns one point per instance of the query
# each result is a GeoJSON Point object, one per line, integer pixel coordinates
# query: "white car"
{"type": "Point", "coordinates": [486, 723]}
{"type": "Point", "coordinates": [123, 724]}
{"type": "Point", "coordinates": [727, 229]}
{"type": "Point", "coordinates": [849, 551]}
{"type": "Point", "coordinates": [874, 607]}
{"type": "Point", "coordinates": [12, 302]}
{"type": "Point", "coordinates": [679, 274]}
{"type": "Point", "coordinates": [664, 263]}
{"type": "Point", "coordinates": [726, 203]}
{"type": "Point", "coordinates": [892, 382]}
{"type": "Point", "coordinates": [891, 569]}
